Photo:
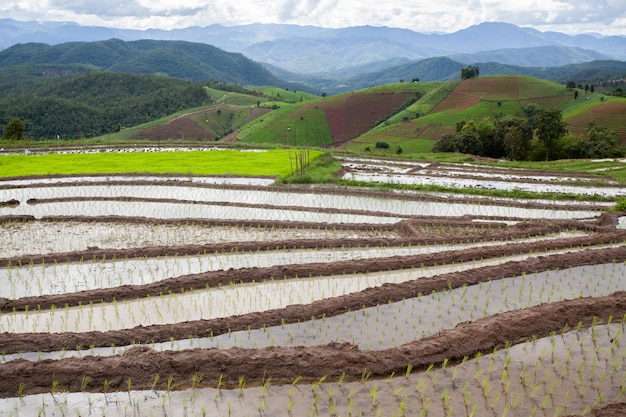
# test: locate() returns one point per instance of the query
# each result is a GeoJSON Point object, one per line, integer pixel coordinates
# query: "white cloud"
{"type": "Point", "coordinates": [570, 16]}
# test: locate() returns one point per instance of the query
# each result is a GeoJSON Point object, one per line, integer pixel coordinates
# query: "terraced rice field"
{"type": "Point", "coordinates": [139, 296]}
{"type": "Point", "coordinates": [608, 114]}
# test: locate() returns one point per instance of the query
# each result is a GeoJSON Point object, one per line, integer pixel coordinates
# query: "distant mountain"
{"type": "Point", "coordinates": [312, 50]}
{"type": "Point", "coordinates": [538, 56]}
{"type": "Point", "coordinates": [447, 69]}
{"type": "Point", "coordinates": [178, 59]}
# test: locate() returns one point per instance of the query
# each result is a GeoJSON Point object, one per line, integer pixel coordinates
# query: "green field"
{"type": "Point", "coordinates": [288, 96]}
{"type": "Point", "coordinates": [223, 162]}
{"type": "Point", "coordinates": [359, 119]}
{"type": "Point", "coordinates": [439, 110]}
{"type": "Point", "coordinates": [289, 125]}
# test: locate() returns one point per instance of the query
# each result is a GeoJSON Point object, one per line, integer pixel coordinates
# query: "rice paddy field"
{"type": "Point", "coordinates": [205, 295]}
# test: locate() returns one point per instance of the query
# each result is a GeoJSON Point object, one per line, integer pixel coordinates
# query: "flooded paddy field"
{"type": "Point", "coordinates": [473, 176]}
{"type": "Point", "coordinates": [197, 296]}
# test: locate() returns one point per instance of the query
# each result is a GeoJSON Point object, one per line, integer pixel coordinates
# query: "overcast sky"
{"type": "Point", "coordinates": [569, 16]}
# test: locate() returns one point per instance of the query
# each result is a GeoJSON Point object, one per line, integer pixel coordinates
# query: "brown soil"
{"type": "Point", "coordinates": [611, 410]}
{"type": "Point", "coordinates": [285, 364]}
{"type": "Point", "coordinates": [184, 127]}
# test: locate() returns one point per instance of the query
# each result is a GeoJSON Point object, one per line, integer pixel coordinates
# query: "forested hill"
{"type": "Point", "coordinates": [178, 59]}
{"type": "Point", "coordinates": [97, 103]}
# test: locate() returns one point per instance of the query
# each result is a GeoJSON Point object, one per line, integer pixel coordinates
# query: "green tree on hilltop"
{"type": "Point", "coordinates": [470, 71]}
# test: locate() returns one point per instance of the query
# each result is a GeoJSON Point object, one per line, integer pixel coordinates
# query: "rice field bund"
{"type": "Point", "coordinates": [153, 294]}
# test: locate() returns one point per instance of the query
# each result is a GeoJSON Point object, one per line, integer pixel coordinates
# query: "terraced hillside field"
{"type": "Point", "coordinates": [491, 98]}
{"type": "Point", "coordinates": [609, 113]}
{"type": "Point", "coordinates": [229, 296]}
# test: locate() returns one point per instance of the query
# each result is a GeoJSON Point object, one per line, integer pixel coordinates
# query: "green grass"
{"type": "Point", "coordinates": [482, 192]}
{"type": "Point", "coordinates": [322, 170]}
{"type": "Point", "coordinates": [280, 94]}
{"type": "Point", "coordinates": [289, 125]}
{"type": "Point", "coordinates": [613, 169]}
{"type": "Point", "coordinates": [228, 162]}
{"type": "Point", "coordinates": [399, 88]}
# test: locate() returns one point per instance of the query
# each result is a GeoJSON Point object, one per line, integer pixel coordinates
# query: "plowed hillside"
{"type": "Point", "coordinates": [611, 114]}
{"type": "Point", "coordinates": [204, 125]}
{"type": "Point", "coordinates": [351, 115]}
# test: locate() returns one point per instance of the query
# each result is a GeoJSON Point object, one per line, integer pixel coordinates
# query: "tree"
{"type": "Point", "coordinates": [468, 140]}
{"type": "Point", "coordinates": [516, 137]}
{"type": "Point", "coordinates": [445, 143]}
{"type": "Point", "coordinates": [602, 141]}
{"type": "Point", "coordinates": [14, 130]}
{"type": "Point", "coordinates": [470, 71]}
{"type": "Point", "coordinates": [531, 111]}
{"type": "Point", "coordinates": [571, 147]}
{"type": "Point", "coordinates": [550, 128]}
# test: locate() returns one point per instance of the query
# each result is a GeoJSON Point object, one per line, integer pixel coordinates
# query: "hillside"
{"type": "Point", "coordinates": [229, 108]}
{"type": "Point", "coordinates": [446, 69]}
{"type": "Point", "coordinates": [332, 120]}
{"type": "Point", "coordinates": [410, 115]}
{"type": "Point", "coordinates": [491, 97]}
{"type": "Point", "coordinates": [98, 103]}
{"type": "Point", "coordinates": [177, 59]}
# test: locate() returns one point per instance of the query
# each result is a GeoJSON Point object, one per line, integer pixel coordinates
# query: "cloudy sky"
{"type": "Point", "coordinates": [569, 16]}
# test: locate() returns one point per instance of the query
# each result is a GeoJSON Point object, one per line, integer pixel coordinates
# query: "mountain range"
{"type": "Point", "coordinates": [322, 51]}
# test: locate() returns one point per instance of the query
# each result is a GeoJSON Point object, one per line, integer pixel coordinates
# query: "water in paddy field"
{"type": "Point", "coordinates": [53, 278]}
{"type": "Point", "coordinates": [567, 373]}
{"type": "Point", "coordinates": [494, 184]}
{"type": "Point", "coordinates": [386, 325]}
{"type": "Point", "coordinates": [395, 209]}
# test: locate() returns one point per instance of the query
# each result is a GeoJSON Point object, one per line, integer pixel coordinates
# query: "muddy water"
{"type": "Point", "coordinates": [154, 210]}
{"type": "Point", "coordinates": [258, 181]}
{"type": "Point", "coordinates": [567, 373]}
{"type": "Point", "coordinates": [495, 184]}
{"type": "Point", "coordinates": [40, 237]}
{"type": "Point", "coordinates": [273, 198]}
{"type": "Point", "coordinates": [37, 280]}
{"type": "Point", "coordinates": [221, 302]}
{"type": "Point", "coordinates": [390, 325]}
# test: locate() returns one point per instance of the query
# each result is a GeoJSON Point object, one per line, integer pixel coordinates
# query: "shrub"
{"type": "Point", "coordinates": [444, 144]}
{"type": "Point", "coordinates": [382, 145]}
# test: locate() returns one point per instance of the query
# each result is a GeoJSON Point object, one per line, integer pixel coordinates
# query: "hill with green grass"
{"type": "Point", "coordinates": [409, 115]}
{"type": "Point", "coordinates": [228, 108]}
{"type": "Point", "coordinates": [494, 97]}
{"type": "Point", "coordinates": [406, 117]}
{"type": "Point", "coordinates": [331, 121]}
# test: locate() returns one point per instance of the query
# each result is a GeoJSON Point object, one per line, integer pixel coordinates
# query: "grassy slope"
{"type": "Point", "coordinates": [289, 125]}
{"type": "Point", "coordinates": [289, 96]}
{"type": "Point", "coordinates": [610, 113]}
{"type": "Point", "coordinates": [327, 121]}
{"type": "Point", "coordinates": [304, 119]}
{"type": "Point", "coordinates": [489, 97]}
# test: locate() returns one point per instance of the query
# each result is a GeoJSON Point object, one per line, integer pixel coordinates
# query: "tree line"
{"type": "Point", "coordinates": [542, 135]}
